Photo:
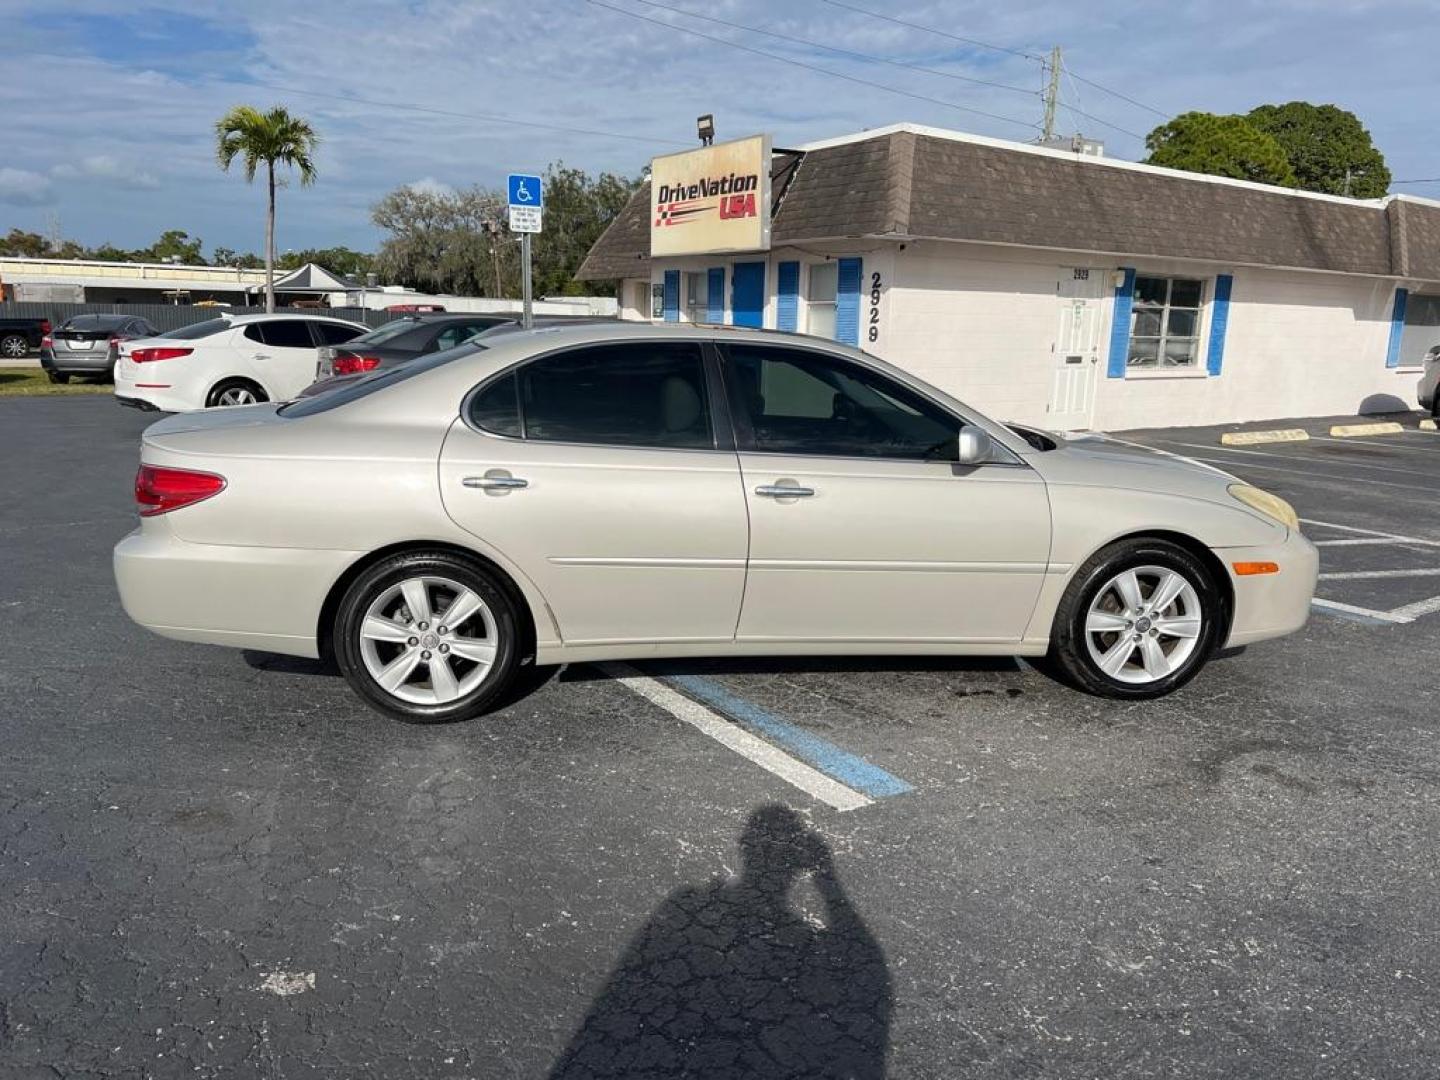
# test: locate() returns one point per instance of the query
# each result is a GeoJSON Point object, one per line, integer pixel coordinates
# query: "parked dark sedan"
{"type": "Point", "coordinates": [89, 344]}
{"type": "Point", "coordinates": [397, 342]}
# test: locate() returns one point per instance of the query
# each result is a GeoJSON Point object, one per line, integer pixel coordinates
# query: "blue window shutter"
{"type": "Point", "coordinates": [715, 295]}
{"type": "Point", "coordinates": [672, 295]}
{"type": "Point", "coordinates": [1219, 320]}
{"type": "Point", "coordinates": [847, 302]}
{"type": "Point", "coordinates": [747, 298]}
{"type": "Point", "coordinates": [1120, 325]}
{"type": "Point", "coordinates": [787, 300]}
{"type": "Point", "coordinates": [1397, 327]}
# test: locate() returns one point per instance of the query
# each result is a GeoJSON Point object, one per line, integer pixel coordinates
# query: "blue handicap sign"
{"type": "Point", "coordinates": [525, 190]}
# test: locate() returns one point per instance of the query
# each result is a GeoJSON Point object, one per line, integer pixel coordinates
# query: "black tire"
{"type": "Point", "coordinates": [212, 400]}
{"type": "Point", "coordinates": [14, 346]}
{"type": "Point", "coordinates": [1070, 650]}
{"type": "Point", "coordinates": [57, 377]}
{"type": "Point", "coordinates": [375, 583]}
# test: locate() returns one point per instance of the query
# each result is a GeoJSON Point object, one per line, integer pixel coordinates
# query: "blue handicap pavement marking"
{"type": "Point", "coordinates": [525, 190]}
{"type": "Point", "coordinates": [841, 765]}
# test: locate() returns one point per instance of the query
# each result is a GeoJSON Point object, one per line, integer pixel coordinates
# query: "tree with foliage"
{"type": "Point", "coordinates": [224, 256]}
{"type": "Point", "coordinates": [1327, 147]}
{"type": "Point", "coordinates": [458, 241]}
{"type": "Point", "coordinates": [1220, 146]}
{"type": "Point", "coordinates": [22, 244]}
{"type": "Point", "coordinates": [338, 260]}
{"type": "Point", "coordinates": [173, 244]}
{"type": "Point", "coordinates": [275, 138]}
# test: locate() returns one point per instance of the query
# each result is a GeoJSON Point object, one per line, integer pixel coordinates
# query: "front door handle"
{"type": "Point", "coordinates": [784, 491]}
{"type": "Point", "coordinates": [494, 483]}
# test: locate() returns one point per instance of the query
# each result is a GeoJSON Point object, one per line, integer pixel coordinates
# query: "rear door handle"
{"type": "Point", "coordinates": [494, 483]}
{"type": "Point", "coordinates": [784, 491]}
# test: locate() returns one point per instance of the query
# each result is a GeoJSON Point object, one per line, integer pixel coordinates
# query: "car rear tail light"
{"type": "Point", "coordinates": [47, 342]}
{"type": "Point", "coordinates": [159, 490]}
{"type": "Point", "coordinates": [145, 356]}
{"type": "Point", "coordinates": [354, 365]}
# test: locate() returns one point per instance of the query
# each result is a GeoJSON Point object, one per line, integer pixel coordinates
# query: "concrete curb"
{"type": "Point", "coordinates": [1351, 431]}
{"type": "Point", "coordinates": [1428, 425]}
{"type": "Point", "coordinates": [1251, 438]}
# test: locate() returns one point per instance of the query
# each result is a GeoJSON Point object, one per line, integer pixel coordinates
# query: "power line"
{"type": "Point", "coordinates": [812, 67]}
{"type": "Point", "coordinates": [1077, 111]}
{"type": "Point", "coordinates": [839, 52]}
{"type": "Point", "coordinates": [998, 48]}
{"type": "Point", "coordinates": [932, 30]}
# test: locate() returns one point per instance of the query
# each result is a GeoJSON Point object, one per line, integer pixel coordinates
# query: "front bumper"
{"type": "Point", "coordinates": [245, 597]}
{"type": "Point", "coordinates": [1271, 605]}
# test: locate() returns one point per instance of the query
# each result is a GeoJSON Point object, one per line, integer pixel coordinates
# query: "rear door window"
{"type": "Point", "coordinates": [337, 333]}
{"type": "Point", "coordinates": [287, 334]}
{"type": "Point", "coordinates": [205, 329]}
{"type": "Point", "coordinates": [649, 394]}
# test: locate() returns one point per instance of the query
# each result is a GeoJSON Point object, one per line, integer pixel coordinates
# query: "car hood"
{"type": "Point", "coordinates": [1102, 461]}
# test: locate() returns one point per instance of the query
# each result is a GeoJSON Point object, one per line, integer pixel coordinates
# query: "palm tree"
{"type": "Point", "coordinates": [274, 137]}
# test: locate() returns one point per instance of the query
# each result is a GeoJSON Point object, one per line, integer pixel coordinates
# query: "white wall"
{"type": "Point", "coordinates": [981, 323]}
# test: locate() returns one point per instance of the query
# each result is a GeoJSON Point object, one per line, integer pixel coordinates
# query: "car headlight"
{"type": "Point", "coordinates": [1272, 506]}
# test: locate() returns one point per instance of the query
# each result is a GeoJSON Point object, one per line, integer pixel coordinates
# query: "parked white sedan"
{"type": "Point", "coordinates": [620, 491]}
{"type": "Point", "coordinates": [236, 360]}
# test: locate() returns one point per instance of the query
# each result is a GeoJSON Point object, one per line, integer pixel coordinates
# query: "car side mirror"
{"type": "Point", "coordinates": [976, 446]}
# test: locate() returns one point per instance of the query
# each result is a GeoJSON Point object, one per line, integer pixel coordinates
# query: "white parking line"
{"type": "Point", "coordinates": [793, 771]}
{"type": "Point", "coordinates": [1368, 613]}
{"type": "Point", "coordinates": [1372, 442]}
{"type": "Point", "coordinates": [1417, 609]}
{"type": "Point", "coordinates": [1296, 459]}
{"type": "Point", "coordinates": [1366, 575]}
{"type": "Point", "coordinates": [1382, 537]}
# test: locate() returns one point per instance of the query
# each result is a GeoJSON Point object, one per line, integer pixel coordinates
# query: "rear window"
{"type": "Point", "coordinates": [200, 330]}
{"type": "Point", "coordinates": [379, 380]}
{"type": "Point", "coordinates": [94, 322]}
{"type": "Point", "coordinates": [389, 330]}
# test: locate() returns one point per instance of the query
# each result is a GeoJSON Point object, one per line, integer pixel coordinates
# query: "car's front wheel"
{"type": "Point", "coordinates": [1138, 620]}
{"type": "Point", "coordinates": [427, 637]}
{"type": "Point", "coordinates": [235, 392]}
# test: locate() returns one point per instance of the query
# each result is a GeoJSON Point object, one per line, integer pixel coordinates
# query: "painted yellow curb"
{"type": "Point", "coordinates": [1427, 425]}
{"type": "Point", "coordinates": [1349, 431]}
{"type": "Point", "coordinates": [1250, 438]}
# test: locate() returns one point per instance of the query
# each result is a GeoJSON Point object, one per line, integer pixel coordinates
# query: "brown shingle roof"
{"type": "Point", "coordinates": [908, 184]}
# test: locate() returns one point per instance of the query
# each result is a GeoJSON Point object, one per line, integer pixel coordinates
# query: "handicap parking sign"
{"type": "Point", "coordinates": [525, 190]}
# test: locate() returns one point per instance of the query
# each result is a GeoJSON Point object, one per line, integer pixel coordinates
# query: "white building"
{"type": "Point", "coordinates": [1065, 290]}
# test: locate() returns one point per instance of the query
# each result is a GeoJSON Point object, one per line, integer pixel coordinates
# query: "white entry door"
{"type": "Point", "coordinates": [1080, 294]}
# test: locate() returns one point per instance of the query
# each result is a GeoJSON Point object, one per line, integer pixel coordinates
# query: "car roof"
{"type": "Point", "coordinates": [246, 320]}
{"type": "Point", "coordinates": [582, 332]}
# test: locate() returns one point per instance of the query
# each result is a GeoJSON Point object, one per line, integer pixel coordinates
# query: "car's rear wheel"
{"type": "Point", "coordinates": [57, 377]}
{"type": "Point", "coordinates": [427, 637]}
{"type": "Point", "coordinates": [1138, 620]}
{"type": "Point", "coordinates": [13, 346]}
{"type": "Point", "coordinates": [235, 392]}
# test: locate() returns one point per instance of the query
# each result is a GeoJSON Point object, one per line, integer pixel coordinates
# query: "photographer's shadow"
{"type": "Point", "coordinates": [731, 979]}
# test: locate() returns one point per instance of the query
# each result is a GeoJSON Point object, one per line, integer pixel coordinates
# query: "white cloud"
{"type": "Point", "coordinates": [109, 168]}
{"type": "Point", "coordinates": [428, 185]}
{"type": "Point", "coordinates": [21, 187]}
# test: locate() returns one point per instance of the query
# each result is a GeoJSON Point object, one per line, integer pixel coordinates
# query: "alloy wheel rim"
{"type": "Point", "coordinates": [1144, 624]}
{"type": "Point", "coordinates": [14, 347]}
{"type": "Point", "coordinates": [237, 395]}
{"type": "Point", "coordinates": [428, 640]}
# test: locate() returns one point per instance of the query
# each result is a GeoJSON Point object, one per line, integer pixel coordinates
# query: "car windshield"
{"type": "Point", "coordinates": [95, 322]}
{"type": "Point", "coordinates": [199, 330]}
{"type": "Point", "coordinates": [390, 330]}
{"type": "Point", "coordinates": [379, 380]}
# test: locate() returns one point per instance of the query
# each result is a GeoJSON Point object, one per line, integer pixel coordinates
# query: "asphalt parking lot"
{"type": "Point", "coordinates": [221, 864]}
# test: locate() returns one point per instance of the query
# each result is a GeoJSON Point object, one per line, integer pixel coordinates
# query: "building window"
{"type": "Point", "coordinates": [824, 284]}
{"type": "Point", "coordinates": [1421, 336]}
{"type": "Point", "coordinates": [1165, 323]}
{"type": "Point", "coordinates": [697, 296]}
{"type": "Point", "coordinates": [657, 300]}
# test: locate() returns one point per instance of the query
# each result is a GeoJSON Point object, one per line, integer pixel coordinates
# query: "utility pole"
{"type": "Point", "coordinates": [1052, 95]}
{"type": "Point", "coordinates": [1347, 181]}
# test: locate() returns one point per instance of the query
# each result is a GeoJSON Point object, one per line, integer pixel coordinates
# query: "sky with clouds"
{"type": "Point", "coordinates": [108, 112]}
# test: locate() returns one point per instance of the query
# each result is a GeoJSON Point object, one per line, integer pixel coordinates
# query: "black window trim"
{"type": "Point", "coordinates": [744, 434]}
{"type": "Point", "coordinates": [721, 427]}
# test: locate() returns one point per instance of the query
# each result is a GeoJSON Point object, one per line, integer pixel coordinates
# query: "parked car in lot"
{"type": "Point", "coordinates": [1428, 389]}
{"type": "Point", "coordinates": [397, 342]}
{"type": "Point", "coordinates": [601, 492]}
{"type": "Point", "coordinates": [21, 335]}
{"type": "Point", "coordinates": [226, 361]}
{"type": "Point", "coordinates": [90, 344]}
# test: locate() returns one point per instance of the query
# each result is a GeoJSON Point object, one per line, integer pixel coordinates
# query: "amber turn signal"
{"type": "Point", "coordinates": [1246, 569]}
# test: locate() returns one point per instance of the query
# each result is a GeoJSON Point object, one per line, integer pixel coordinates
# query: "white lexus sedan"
{"type": "Point", "coordinates": [235, 360]}
{"type": "Point", "coordinates": [621, 491]}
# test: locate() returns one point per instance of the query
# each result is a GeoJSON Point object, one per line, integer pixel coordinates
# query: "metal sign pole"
{"type": "Point", "coordinates": [528, 318]}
